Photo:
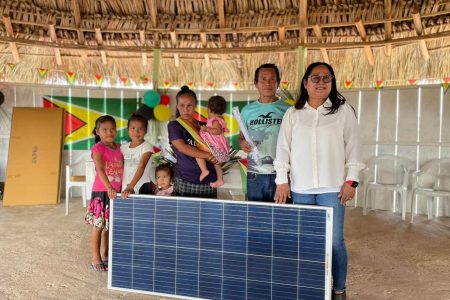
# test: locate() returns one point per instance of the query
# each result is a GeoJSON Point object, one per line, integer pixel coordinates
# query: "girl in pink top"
{"type": "Point", "coordinates": [213, 135]}
{"type": "Point", "coordinates": [108, 160]}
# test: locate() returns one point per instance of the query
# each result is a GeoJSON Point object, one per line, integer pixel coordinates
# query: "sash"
{"type": "Point", "coordinates": [194, 133]}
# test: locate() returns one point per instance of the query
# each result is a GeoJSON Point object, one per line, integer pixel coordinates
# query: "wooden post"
{"type": "Point", "coordinates": [156, 65]}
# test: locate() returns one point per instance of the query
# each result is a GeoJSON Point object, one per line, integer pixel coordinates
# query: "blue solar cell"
{"type": "Point", "coordinates": [218, 249]}
{"type": "Point", "coordinates": [234, 288]}
{"type": "Point", "coordinates": [259, 268]}
{"type": "Point", "coordinates": [210, 286]}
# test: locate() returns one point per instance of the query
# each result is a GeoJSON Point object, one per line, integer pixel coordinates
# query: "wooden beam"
{"type": "Point", "coordinates": [417, 22]}
{"type": "Point", "coordinates": [153, 12]}
{"type": "Point", "coordinates": [174, 40]}
{"type": "Point", "coordinates": [318, 33]}
{"type": "Point", "coordinates": [303, 18]}
{"type": "Point", "coordinates": [54, 39]}
{"type": "Point", "coordinates": [142, 40]}
{"type": "Point", "coordinates": [230, 51]}
{"type": "Point", "coordinates": [10, 32]}
{"type": "Point", "coordinates": [222, 21]}
{"type": "Point", "coordinates": [99, 39]}
{"type": "Point", "coordinates": [362, 33]}
{"type": "Point", "coordinates": [419, 30]}
{"type": "Point", "coordinates": [80, 37]}
{"type": "Point", "coordinates": [388, 26]}
{"type": "Point", "coordinates": [204, 42]}
{"type": "Point", "coordinates": [281, 37]}
{"type": "Point", "coordinates": [76, 12]}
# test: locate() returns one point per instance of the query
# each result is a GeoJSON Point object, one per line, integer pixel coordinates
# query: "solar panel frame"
{"type": "Point", "coordinates": [210, 246]}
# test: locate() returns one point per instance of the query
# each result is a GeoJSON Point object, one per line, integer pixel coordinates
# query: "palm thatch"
{"type": "Point", "coordinates": [223, 41]}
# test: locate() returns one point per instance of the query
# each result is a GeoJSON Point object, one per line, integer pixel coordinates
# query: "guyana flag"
{"type": "Point", "coordinates": [81, 114]}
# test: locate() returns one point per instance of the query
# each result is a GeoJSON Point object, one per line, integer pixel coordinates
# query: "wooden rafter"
{"type": "Point", "coordinates": [281, 37]}
{"type": "Point", "coordinates": [10, 32]}
{"type": "Point", "coordinates": [303, 17]}
{"type": "Point", "coordinates": [152, 10]}
{"type": "Point", "coordinates": [222, 21]}
{"type": "Point", "coordinates": [362, 33]}
{"type": "Point", "coordinates": [76, 12]}
{"type": "Point", "coordinates": [99, 39]}
{"type": "Point", "coordinates": [235, 50]}
{"type": "Point", "coordinates": [204, 42]}
{"type": "Point", "coordinates": [419, 30]}
{"type": "Point", "coordinates": [318, 33]}
{"type": "Point", "coordinates": [54, 39]}
{"type": "Point", "coordinates": [142, 40]}
{"type": "Point", "coordinates": [388, 26]}
{"type": "Point", "coordinates": [174, 41]}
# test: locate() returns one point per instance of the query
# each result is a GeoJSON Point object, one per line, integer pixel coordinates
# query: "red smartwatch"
{"type": "Point", "coordinates": [352, 183]}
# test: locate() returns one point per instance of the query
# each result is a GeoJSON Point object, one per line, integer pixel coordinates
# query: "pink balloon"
{"type": "Point", "coordinates": [165, 99]}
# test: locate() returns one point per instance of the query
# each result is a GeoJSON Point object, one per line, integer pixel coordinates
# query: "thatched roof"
{"type": "Point", "coordinates": [223, 41]}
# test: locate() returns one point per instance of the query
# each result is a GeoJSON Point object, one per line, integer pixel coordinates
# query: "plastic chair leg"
{"type": "Point", "coordinates": [67, 200]}
{"type": "Point", "coordinates": [404, 197]}
{"type": "Point", "coordinates": [413, 202]}
{"type": "Point", "coordinates": [366, 188]}
{"type": "Point", "coordinates": [430, 208]}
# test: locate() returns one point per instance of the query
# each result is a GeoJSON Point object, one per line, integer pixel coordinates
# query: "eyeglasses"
{"type": "Point", "coordinates": [325, 78]}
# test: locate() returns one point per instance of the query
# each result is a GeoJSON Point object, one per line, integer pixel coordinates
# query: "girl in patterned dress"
{"type": "Point", "coordinates": [108, 160]}
{"type": "Point", "coordinates": [213, 135]}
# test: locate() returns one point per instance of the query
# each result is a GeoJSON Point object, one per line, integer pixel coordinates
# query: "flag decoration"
{"type": "Point", "coordinates": [99, 79]}
{"type": "Point", "coordinates": [190, 85]}
{"type": "Point", "coordinates": [284, 84]}
{"type": "Point", "coordinates": [210, 85]}
{"type": "Point", "coordinates": [445, 83]}
{"type": "Point", "coordinates": [412, 81]}
{"type": "Point", "coordinates": [12, 66]}
{"type": "Point", "coordinates": [348, 84]}
{"type": "Point", "coordinates": [236, 85]}
{"type": "Point", "coordinates": [42, 72]}
{"type": "Point", "coordinates": [167, 84]}
{"type": "Point", "coordinates": [144, 79]}
{"type": "Point", "coordinates": [124, 80]}
{"type": "Point", "coordinates": [71, 77]}
{"type": "Point", "coordinates": [379, 84]}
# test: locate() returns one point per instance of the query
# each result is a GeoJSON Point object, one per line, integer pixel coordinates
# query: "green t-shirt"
{"type": "Point", "coordinates": [263, 122]}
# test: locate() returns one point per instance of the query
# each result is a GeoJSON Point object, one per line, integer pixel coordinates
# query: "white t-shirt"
{"type": "Point", "coordinates": [132, 157]}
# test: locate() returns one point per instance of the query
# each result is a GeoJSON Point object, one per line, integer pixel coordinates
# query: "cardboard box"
{"type": "Point", "coordinates": [34, 159]}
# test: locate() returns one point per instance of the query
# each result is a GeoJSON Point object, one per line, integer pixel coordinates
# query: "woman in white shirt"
{"type": "Point", "coordinates": [318, 147]}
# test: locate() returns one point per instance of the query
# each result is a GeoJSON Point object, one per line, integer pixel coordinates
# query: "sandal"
{"type": "Point", "coordinates": [100, 267]}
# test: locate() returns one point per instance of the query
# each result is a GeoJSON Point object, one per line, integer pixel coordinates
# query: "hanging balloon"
{"type": "Point", "coordinates": [162, 112]}
{"type": "Point", "coordinates": [151, 98]}
{"type": "Point", "coordinates": [165, 99]}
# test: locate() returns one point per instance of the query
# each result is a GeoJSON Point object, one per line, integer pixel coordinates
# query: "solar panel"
{"type": "Point", "coordinates": [215, 249]}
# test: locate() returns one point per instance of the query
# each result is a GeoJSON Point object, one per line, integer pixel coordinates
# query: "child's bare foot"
{"type": "Point", "coordinates": [216, 184]}
{"type": "Point", "coordinates": [203, 175]}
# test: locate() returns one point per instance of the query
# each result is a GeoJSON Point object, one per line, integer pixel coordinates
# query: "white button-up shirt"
{"type": "Point", "coordinates": [319, 151]}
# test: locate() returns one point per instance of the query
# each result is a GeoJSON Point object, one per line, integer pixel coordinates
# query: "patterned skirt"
{"type": "Point", "coordinates": [97, 213]}
{"type": "Point", "coordinates": [186, 189]}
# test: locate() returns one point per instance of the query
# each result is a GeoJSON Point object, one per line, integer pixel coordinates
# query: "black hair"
{"type": "Point", "coordinates": [185, 90]}
{"type": "Point", "coordinates": [138, 118]}
{"type": "Point", "coordinates": [164, 167]}
{"type": "Point", "coordinates": [267, 66]}
{"type": "Point", "coordinates": [335, 97]}
{"type": "Point", "coordinates": [217, 104]}
{"type": "Point", "coordinates": [101, 120]}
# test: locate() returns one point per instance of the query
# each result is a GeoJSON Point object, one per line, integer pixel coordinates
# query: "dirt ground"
{"type": "Point", "coordinates": [45, 254]}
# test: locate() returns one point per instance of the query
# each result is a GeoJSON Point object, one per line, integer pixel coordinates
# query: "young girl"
{"type": "Point", "coordinates": [108, 162]}
{"type": "Point", "coordinates": [136, 156]}
{"type": "Point", "coordinates": [213, 136]}
{"type": "Point", "coordinates": [164, 175]}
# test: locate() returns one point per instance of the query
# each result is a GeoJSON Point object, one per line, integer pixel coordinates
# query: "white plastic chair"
{"type": "Point", "coordinates": [75, 181]}
{"type": "Point", "coordinates": [433, 182]}
{"type": "Point", "coordinates": [387, 172]}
